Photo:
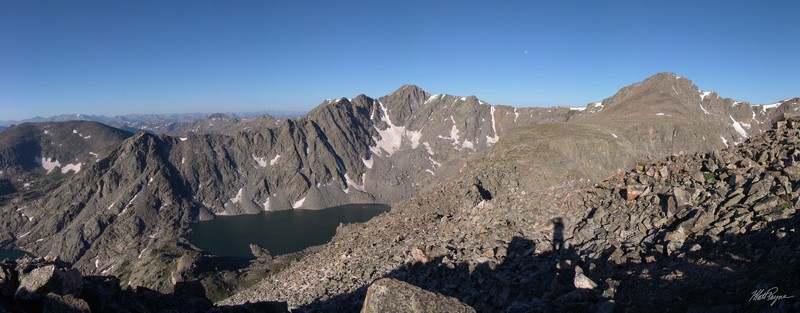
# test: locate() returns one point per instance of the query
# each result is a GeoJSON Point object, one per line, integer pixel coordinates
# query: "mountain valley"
{"type": "Point", "coordinates": [660, 185]}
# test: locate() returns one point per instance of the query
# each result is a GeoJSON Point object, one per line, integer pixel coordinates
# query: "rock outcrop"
{"type": "Point", "coordinates": [391, 295]}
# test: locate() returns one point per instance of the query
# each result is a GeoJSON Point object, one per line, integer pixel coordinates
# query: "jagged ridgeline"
{"type": "Point", "coordinates": [149, 188]}
{"type": "Point", "coordinates": [119, 206]}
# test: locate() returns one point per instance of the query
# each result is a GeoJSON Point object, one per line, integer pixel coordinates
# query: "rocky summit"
{"type": "Point", "coordinates": [661, 186]}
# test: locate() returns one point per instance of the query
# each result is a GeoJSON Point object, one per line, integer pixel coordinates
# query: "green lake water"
{"type": "Point", "coordinates": [280, 232]}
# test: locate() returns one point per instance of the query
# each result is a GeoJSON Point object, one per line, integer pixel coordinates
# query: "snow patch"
{"type": "Point", "coordinates": [434, 163]}
{"type": "Point", "coordinates": [704, 109]}
{"type": "Point", "coordinates": [428, 147]}
{"type": "Point", "coordinates": [368, 162]}
{"type": "Point", "coordinates": [141, 253]}
{"type": "Point", "coordinates": [467, 144]}
{"type": "Point", "coordinates": [238, 198]}
{"type": "Point", "coordinates": [352, 183]}
{"type": "Point", "coordinates": [455, 138]}
{"type": "Point", "coordinates": [125, 209]}
{"type": "Point", "coordinates": [431, 172]}
{"type": "Point", "coordinates": [260, 160]}
{"type": "Point", "coordinates": [95, 155]}
{"type": "Point", "coordinates": [392, 136]}
{"type": "Point", "coordinates": [516, 115]}
{"type": "Point", "coordinates": [738, 127]}
{"type": "Point", "coordinates": [414, 137]}
{"type": "Point", "coordinates": [183, 138]}
{"type": "Point", "coordinates": [725, 141]}
{"type": "Point", "coordinates": [660, 114]}
{"type": "Point", "coordinates": [266, 205]}
{"type": "Point", "coordinates": [48, 164]}
{"type": "Point", "coordinates": [298, 203]}
{"type": "Point", "coordinates": [74, 131]}
{"type": "Point", "coordinates": [432, 97]}
{"type": "Point", "coordinates": [577, 109]}
{"type": "Point", "coordinates": [615, 135]}
{"type": "Point", "coordinates": [772, 106]}
{"type": "Point", "coordinates": [492, 140]}
{"type": "Point", "coordinates": [704, 94]}
{"type": "Point", "coordinates": [183, 160]}
{"type": "Point", "coordinates": [275, 159]}
{"type": "Point", "coordinates": [47, 132]}
{"type": "Point", "coordinates": [71, 167]}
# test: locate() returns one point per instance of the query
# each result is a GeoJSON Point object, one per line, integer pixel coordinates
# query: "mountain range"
{"type": "Point", "coordinates": [113, 202]}
{"type": "Point", "coordinates": [173, 124]}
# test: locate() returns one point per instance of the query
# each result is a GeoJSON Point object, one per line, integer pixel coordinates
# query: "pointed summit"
{"type": "Point", "coordinates": [665, 93]}
{"type": "Point", "coordinates": [403, 101]}
{"type": "Point", "coordinates": [409, 88]}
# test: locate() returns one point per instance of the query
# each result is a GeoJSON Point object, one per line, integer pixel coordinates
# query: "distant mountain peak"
{"type": "Point", "coordinates": [409, 88]}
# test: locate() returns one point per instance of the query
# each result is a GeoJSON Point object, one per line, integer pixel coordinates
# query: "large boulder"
{"type": "Point", "coordinates": [260, 252]}
{"type": "Point", "coordinates": [54, 303]}
{"type": "Point", "coordinates": [49, 278]}
{"type": "Point", "coordinates": [391, 295]}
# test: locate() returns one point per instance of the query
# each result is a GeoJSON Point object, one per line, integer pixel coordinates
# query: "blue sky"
{"type": "Point", "coordinates": [120, 57]}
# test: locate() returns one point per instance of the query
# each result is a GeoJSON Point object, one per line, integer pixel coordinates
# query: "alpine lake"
{"type": "Point", "coordinates": [11, 254]}
{"type": "Point", "coordinates": [280, 232]}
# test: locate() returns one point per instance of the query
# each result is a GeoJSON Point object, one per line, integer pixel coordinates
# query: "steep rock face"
{"type": "Point", "coordinates": [103, 219]}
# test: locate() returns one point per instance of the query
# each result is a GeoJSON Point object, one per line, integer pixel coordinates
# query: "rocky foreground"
{"type": "Point", "coordinates": [692, 232]}
{"type": "Point", "coordinates": [47, 285]}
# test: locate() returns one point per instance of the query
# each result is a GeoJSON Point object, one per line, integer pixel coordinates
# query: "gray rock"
{"type": "Point", "coordinates": [35, 285]}
{"type": "Point", "coordinates": [391, 295]}
{"type": "Point", "coordinates": [260, 252]}
{"type": "Point", "coordinates": [54, 303]}
{"type": "Point", "coordinates": [683, 198]}
{"type": "Point", "coordinates": [49, 278]}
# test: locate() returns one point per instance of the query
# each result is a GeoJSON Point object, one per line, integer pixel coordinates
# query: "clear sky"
{"type": "Point", "coordinates": [120, 57]}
